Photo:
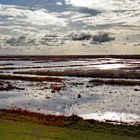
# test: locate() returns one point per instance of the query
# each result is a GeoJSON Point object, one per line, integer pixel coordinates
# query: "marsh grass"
{"type": "Point", "coordinates": [29, 78]}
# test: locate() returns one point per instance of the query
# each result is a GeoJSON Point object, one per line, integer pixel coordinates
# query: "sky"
{"type": "Point", "coordinates": [49, 27]}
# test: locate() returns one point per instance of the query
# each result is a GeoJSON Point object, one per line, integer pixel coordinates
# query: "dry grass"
{"type": "Point", "coordinates": [115, 82]}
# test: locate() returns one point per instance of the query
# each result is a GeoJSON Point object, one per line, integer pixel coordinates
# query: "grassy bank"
{"type": "Point", "coordinates": [19, 124]}
{"type": "Point", "coordinates": [12, 130]}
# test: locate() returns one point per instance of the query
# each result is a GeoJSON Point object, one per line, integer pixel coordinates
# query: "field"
{"type": "Point", "coordinates": [10, 130]}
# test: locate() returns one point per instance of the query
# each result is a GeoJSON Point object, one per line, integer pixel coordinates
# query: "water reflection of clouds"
{"type": "Point", "coordinates": [7, 96]}
{"type": "Point", "coordinates": [78, 96]}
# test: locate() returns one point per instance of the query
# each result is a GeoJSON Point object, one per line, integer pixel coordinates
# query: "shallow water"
{"type": "Point", "coordinates": [77, 95]}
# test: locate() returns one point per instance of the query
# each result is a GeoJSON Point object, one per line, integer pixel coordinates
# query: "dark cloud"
{"type": "Point", "coordinates": [101, 38]}
{"type": "Point", "coordinates": [79, 36]}
{"type": "Point", "coordinates": [53, 39]}
{"type": "Point", "coordinates": [96, 38]}
{"type": "Point", "coordinates": [21, 40]}
{"type": "Point", "coordinates": [87, 10]}
{"type": "Point", "coordinates": [50, 39]}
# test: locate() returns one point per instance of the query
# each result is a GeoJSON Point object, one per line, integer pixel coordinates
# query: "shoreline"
{"type": "Point", "coordinates": [108, 117]}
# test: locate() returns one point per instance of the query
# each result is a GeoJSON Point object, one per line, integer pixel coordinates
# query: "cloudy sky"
{"type": "Point", "coordinates": [69, 27]}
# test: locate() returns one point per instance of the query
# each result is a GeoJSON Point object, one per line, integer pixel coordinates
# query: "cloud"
{"type": "Point", "coordinates": [52, 39]}
{"type": "Point", "coordinates": [22, 40]}
{"type": "Point", "coordinates": [101, 38]}
{"type": "Point", "coordinates": [77, 15]}
{"type": "Point", "coordinates": [107, 12]}
{"type": "Point", "coordinates": [106, 4]}
{"type": "Point", "coordinates": [80, 3]}
{"type": "Point", "coordinates": [57, 39]}
{"type": "Point", "coordinates": [92, 38]}
{"type": "Point", "coordinates": [30, 39]}
{"type": "Point", "coordinates": [79, 36]}
{"type": "Point", "coordinates": [62, 22]}
{"type": "Point", "coordinates": [32, 17]}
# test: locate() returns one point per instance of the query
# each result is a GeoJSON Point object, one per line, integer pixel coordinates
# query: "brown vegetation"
{"type": "Point", "coordinates": [30, 78]}
{"type": "Point", "coordinates": [56, 87]}
{"type": "Point", "coordinates": [114, 82]}
{"type": "Point", "coordinates": [95, 73]}
{"type": "Point", "coordinates": [7, 86]}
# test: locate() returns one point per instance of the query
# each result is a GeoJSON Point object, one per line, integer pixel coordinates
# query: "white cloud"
{"type": "Point", "coordinates": [80, 3]}
{"type": "Point", "coordinates": [107, 4]}
{"type": "Point", "coordinates": [36, 17]}
{"type": "Point", "coordinates": [43, 20]}
{"type": "Point", "coordinates": [59, 3]}
{"type": "Point", "coordinates": [113, 18]}
{"type": "Point", "coordinates": [35, 27]}
{"type": "Point", "coordinates": [113, 12]}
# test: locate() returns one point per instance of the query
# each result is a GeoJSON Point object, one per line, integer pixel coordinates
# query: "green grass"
{"type": "Point", "coordinates": [25, 125]}
{"type": "Point", "coordinates": [13, 130]}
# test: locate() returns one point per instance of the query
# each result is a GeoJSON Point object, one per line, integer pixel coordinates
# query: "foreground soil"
{"type": "Point", "coordinates": [21, 124]}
